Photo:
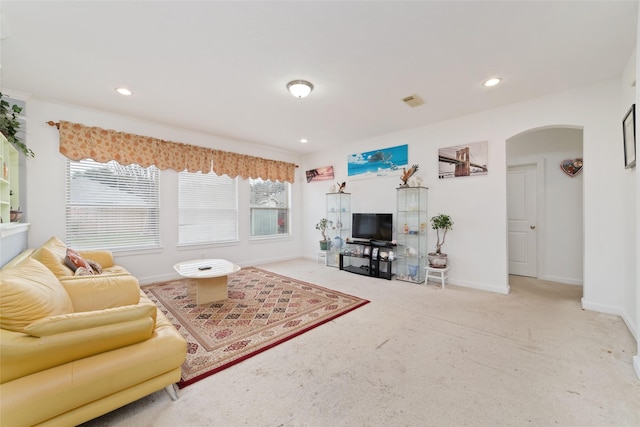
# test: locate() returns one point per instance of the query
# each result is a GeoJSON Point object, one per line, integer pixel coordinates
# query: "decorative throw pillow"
{"type": "Point", "coordinates": [81, 271]}
{"type": "Point", "coordinates": [97, 268]}
{"type": "Point", "coordinates": [74, 261]}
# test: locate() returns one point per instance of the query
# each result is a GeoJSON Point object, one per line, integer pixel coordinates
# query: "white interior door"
{"type": "Point", "coordinates": [522, 215]}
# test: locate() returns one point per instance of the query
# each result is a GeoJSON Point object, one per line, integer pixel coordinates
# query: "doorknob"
{"type": "Point", "coordinates": [533, 227]}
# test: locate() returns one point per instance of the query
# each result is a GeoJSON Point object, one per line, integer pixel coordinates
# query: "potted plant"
{"type": "Point", "coordinates": [440, 223]}
{"type": "Point", "coordinates": [322, 226]}
{"type": "Point", "coordinates": [9, 125]}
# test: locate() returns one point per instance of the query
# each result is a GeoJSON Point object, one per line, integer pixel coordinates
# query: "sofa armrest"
{"type": "Point", "coordinates": [104, 258]}
{"type": "Point", "coordinates": [23, 354]}
{"type": "Point", "coordinates": [97, 292]}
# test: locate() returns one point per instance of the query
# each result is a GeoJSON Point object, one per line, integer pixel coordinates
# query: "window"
{"type": "Point", "coordinates": [269, 205]}
{"type": "Point", "coordinates": [207, 208]}
{"type": "Point", "coordinates": [112, 206]}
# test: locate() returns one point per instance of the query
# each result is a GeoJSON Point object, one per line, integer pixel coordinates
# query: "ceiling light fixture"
{"type": "Point", "coordinates": [299, 88]}
{"type": "Point", "coordinates": [492, 82]}
{"type": "Point", "coordinates": [304, 140]}
{"type": "Point", "coordinates": [124, 91]}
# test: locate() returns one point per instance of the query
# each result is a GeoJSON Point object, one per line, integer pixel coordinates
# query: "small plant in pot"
{"type": "Point", "coordinates": [440, 223]}
{"type": "Point", "coordinates": [323, 225]}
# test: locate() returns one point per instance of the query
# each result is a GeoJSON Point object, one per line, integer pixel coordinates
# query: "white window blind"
{"type": "Point", "coordinates": [269, 206]}
{"type": "Point", "coordinates": [207, 208]}
{"type": "Point", "coordinates": [112, 206]}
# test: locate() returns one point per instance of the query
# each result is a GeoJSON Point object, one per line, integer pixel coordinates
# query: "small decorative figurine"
{"type": "Point", "coordinates": [407, 174]}
{"type": "Point", "coordinates": [341, 187]}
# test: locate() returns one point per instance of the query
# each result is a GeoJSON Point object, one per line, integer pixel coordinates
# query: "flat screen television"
{"type": "Point", "coordinates": [372, 226]}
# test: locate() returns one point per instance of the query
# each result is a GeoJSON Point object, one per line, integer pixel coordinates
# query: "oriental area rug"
{"type": "Point", "coordinates": [263, 310]}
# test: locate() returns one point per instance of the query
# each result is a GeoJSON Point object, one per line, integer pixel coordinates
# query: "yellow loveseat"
{"type": "Point", "coordinates": [76, 347]}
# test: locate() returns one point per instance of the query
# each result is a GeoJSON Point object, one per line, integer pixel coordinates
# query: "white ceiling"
{"type": "Point", "coordinates": [222, 67]}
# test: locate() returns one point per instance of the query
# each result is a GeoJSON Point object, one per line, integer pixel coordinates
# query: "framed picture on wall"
{"type": "Point", "coordinates": [629, 132]}
{"type": "Point", "coordinates": [378, 163]}
{"type": "Point", "coordinates": [463, 160]}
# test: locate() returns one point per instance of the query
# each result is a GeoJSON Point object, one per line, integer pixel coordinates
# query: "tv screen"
{"type": "Point", "coordinates": [372, 226]}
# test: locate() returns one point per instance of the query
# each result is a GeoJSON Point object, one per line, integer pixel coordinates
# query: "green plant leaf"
{"type": "Point", "coordinates": [10, 125]}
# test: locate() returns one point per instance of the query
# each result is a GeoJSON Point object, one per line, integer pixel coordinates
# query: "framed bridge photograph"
{"type": "Point", "coordinates": [463, 160]}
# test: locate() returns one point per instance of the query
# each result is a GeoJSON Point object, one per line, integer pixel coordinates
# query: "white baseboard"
{"type": "Point", "coordinates": [630, 325]}
{"type": "Point", "coordinates": [257, 262]}
{"type": "Point", "coordinates": [601, 308]}
{"type": "Point", "coordinates": [158, 278]}
{"type": "Point", "coordinates": [565, 280]}
{"type": "Point", "coordinates": [479, 286]}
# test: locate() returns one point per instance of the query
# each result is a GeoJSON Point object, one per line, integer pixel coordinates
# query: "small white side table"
{"type": "Point", "coordinates": [441, 274]}
{"type": "Point", "coordinates": [322, 255]}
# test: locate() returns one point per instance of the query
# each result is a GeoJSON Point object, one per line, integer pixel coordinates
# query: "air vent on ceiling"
{"type": "Point", "coordinates": [413, 101]}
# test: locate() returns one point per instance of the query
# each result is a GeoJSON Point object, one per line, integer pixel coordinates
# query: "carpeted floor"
{"type": "Point", "coordinates": [263, 310]}
{"type": "Point", "coordinates": [422, 356]}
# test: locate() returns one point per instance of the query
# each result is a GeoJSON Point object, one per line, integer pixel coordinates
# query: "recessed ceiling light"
{"type": "Point", "coordinates": [124, 91]}
{"type": "Point", "coordinates": [304, 140]}
{"type": "Point", "coordinates": [492, 82]}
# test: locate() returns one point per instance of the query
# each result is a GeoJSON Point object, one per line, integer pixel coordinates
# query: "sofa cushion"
{"type": "Point", "coordinates": [56, 246]}
{"type": "Point", "coordinates": [100, 291]}
{"type": "Point", "coordinates": [30, 292]}
{"type": "Point", "coordinates": [64, 262]}
{"type": "Point", "coordinates": [89, 319]}
{"type": "Point", "coordinates": [53, 260]}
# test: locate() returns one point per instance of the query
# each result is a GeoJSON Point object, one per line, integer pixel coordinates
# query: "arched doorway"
{"type": "Point", "coordinates": [549, 240]}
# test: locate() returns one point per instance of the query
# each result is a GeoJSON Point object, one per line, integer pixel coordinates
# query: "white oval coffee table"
{"type": "Point", "coordinates": [211, 277]}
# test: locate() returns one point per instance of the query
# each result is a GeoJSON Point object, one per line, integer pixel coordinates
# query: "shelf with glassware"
{"type": "Point", "coordinates": [9, 188]}
{"type": "Point", "coordinates": [367, 259]}
{"type": "Point", "coordinates": [339, 215]}
{"type": "Point", "coordinates": [411, 234]}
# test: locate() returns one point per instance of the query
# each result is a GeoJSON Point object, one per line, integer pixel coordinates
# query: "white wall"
{"type": "Point", "coordinates": [629, 214]}
{"type": "Point", "coordinates": [633, 76]}
{"type": "Point", "coordinates": [560, 229]}
{"type": "Point", "coordinates": [46, 193]}
{"type": "Point", "coordinates": [477, 245]}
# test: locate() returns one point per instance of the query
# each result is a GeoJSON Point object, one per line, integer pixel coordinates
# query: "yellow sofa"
{"type": "Point", "coordinates": [76, 347]}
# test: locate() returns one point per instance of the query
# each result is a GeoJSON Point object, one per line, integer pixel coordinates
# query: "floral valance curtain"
{"type": "Point", "coordinates": [79, 142]}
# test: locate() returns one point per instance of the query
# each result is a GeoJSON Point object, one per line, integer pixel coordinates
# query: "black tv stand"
{"type": "Point", "coordinates": [380, 243]}
{"type": "Point", "coordinates": [359, 241]}
{"type": "Point", "coordinates": [357, 258]}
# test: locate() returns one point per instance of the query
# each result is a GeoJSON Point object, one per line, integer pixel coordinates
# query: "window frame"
{"type": "Point", "coordinates": [82, 241]}
{"type": "Point", "coordinates": [235, 210]}
{"type": "Point", "coordinates": [287, 208]}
